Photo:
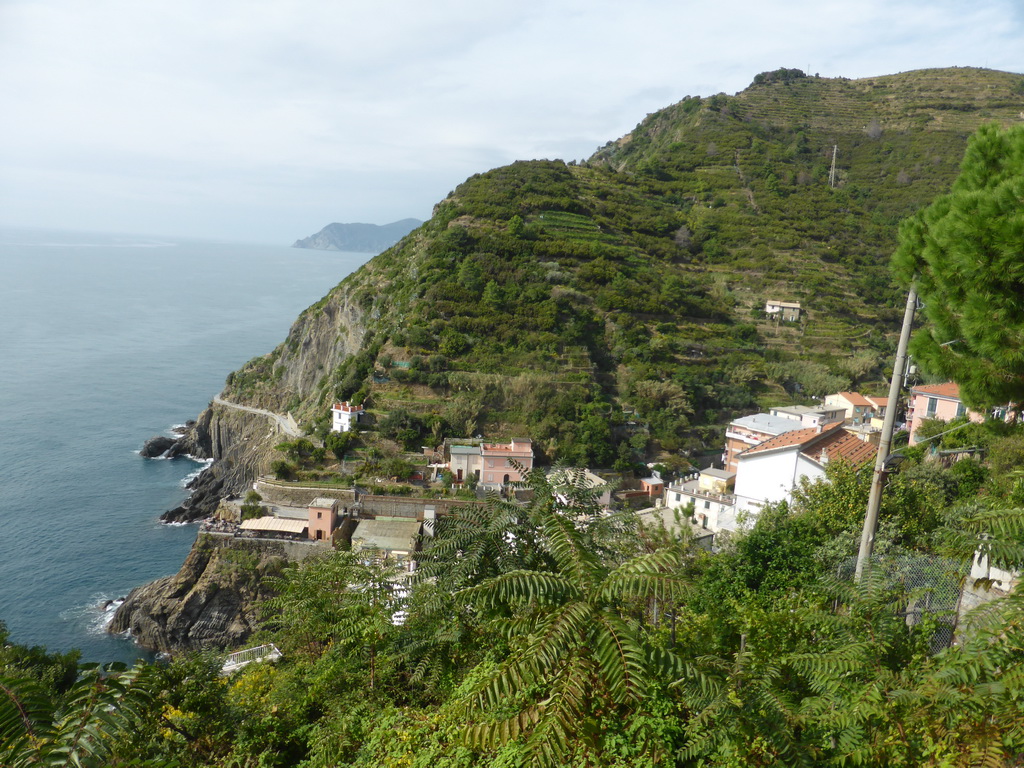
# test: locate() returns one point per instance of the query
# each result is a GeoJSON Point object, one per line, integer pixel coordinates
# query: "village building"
{"type": "Point", "coordinates": [344, 416]}
{"type": "Point", "coordinates": [464, 462]}
{"type": "Point", "coordinates": [857, 408]}
{"type": "Point", "coordinates": [788, 311]}
{"type": "Point", "coordinates": [323, 518]}
{"type": "Point", "coordinates": [936, 401]}
{"type": "Point", "coordinates": [748, 431]}
{"type": "Point", "coordinates": [275, 527]}
{"type": "Point", "coordinates": [505, 463]}
{"type": "Point", "coordinates": [770, 471]}
{"type": "Point", "coordinates": [808, 416]}
{"type": "Point", "coordinates": [652, 486]}
{"type": "Point", "coordinates": [710, 492]}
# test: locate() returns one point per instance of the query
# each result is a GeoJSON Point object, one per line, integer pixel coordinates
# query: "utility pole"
{"type": "Point", "coordinates": [867, 539]}
{"type": "Point", "coordinates": [832, 171]}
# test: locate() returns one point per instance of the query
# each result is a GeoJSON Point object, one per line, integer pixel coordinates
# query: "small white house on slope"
{"type": "Point", "coordinates": [770, 471]}
{"type": "Point", "coordinates": [344, 416]}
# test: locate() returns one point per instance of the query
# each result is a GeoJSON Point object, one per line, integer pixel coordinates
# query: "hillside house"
{"type": "Point", "coordinates": [344, 416]}
{"type": "Point", "coordinates": [857, 408]}
{"type": "Point", "coordinates": [748, 431]}
{"type": "Point", "coordinates": [465, 462]}
{"type": "Point", "coordinates": [505, 463]}
{"type": "Point", "coordinates": [936, 401]}
{"type": "Point", "coordinates": [710, 492]}
{"type": "Point", "coordinates": [788, 311]}
{"type": "Point", "coordinates": [770, 471]}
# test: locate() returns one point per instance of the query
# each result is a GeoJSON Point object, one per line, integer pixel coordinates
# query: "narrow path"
{"type": "Point", "coordinates": [282, 421]}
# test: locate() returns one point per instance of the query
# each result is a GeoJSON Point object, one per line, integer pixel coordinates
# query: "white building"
{"type": "Point", "coordinates": [783, 310]}
{"type": "Point", "coordinates": [770, 471]}
{"type": "Point", "coordinates": [711, 493]}
{"type": "Point", "coordinates": [344, 416]}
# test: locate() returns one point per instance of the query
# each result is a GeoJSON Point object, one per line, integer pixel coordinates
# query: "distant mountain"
{"type": "Point", "coordinates": [364, 238]}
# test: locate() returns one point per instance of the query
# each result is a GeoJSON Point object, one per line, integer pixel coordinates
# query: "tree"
{"type": "Point", "coordinates": [965, 252]}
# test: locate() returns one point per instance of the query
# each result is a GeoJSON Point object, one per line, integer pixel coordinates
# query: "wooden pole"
{"type": "Point", "coordinates": [867, 539]}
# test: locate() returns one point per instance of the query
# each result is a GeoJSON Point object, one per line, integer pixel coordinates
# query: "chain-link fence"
{"type": "Point", "coordinates": [932, 586]}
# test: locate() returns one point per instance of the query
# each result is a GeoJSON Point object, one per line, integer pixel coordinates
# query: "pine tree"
{"type": "Point", "coordinates": [966, 254]}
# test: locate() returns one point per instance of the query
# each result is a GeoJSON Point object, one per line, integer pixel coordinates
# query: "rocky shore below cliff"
{"type": "Point", "coordinates": [212, 602]}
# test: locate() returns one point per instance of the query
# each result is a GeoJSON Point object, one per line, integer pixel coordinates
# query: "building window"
{"type": "Point", "coordinates": [933, 406]}
{"type": "Point", "coordinates": [707, 504]}
{"type": "Point", "coordinates": [319, 515]}
{"type": "Point", "coordinates": [960, 410]}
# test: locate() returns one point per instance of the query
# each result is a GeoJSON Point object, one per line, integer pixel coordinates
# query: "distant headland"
{"type": "Point", "coordinates": [362, 238]}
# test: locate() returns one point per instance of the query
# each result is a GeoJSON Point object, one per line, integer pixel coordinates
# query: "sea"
{"type": "Point", "coordinates": [105, 341]}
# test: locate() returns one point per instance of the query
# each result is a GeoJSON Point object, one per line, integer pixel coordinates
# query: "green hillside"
{"type": "Point", "coordinates": [614, 308]}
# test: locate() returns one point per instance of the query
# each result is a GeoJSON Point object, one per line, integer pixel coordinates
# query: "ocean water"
{"type": "Point", "coordinates": [105, 341]}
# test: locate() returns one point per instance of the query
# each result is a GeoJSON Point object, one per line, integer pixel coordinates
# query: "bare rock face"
{"type": "Point", "coordinates": [210, 603]}
{"type": "Point", "coordinates": [241, 445]}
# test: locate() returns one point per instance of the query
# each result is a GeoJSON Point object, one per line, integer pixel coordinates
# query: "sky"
{"type": "Point", "coordinates": [265, 120]}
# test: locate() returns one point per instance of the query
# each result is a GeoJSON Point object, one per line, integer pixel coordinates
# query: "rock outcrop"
{"type": "Point", "coordinates": [210, 603]}
{"type": "Point", "coordinates": [156, 446]}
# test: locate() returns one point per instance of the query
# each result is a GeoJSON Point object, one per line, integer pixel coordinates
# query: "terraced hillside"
{"type": "Point", "coordinates": [614, 308]}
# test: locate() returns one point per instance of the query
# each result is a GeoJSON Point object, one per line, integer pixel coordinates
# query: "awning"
{"type": "Point", "coordinates": [278, 524]}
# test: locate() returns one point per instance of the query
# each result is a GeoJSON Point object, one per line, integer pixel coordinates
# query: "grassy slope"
{"type": "Point", "coordinates": [555, 300]}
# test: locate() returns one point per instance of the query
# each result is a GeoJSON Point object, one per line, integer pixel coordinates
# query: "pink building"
{"type": "Point", "coordinates": [497, 460]}
{"type": "Point", "coordinates": [936, 401]}
{"type": "Point", "coordinates": [323, 517]}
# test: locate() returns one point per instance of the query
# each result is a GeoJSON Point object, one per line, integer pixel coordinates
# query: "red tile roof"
{"type": "Point", "coordinates": [835, 441]}
{"type": "Point", "coordinates": [950, 389]}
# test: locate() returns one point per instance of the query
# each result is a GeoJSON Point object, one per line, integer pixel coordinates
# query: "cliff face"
{"type": "Point", "coordinates": [240, 443]}
{"type": "Point", "coordinates": [210, 603]}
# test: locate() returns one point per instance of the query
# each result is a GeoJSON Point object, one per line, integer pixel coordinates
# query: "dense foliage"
{"type": "Point", "coordinates": [613, 309]}
{"type": "Point", "coordinates": [553, 634]}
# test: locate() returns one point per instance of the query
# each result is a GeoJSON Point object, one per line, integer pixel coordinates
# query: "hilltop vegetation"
{"type": "Point", "coordinates": [613, 308]}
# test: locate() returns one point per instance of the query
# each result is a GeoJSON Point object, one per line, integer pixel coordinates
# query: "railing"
{"type": "Point", "coordinates": [239, 659]}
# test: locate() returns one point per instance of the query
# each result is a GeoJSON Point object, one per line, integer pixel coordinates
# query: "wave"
{"type": "Point", "coordinates": [95, 616]}
{"type": "Point", "coordinates": [193, 475]}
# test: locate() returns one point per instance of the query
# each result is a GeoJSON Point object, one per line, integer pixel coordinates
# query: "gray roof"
{"type": "Point", "coordinates": [387, 535]}
{"type": "Point", "coordinates": [764, 422]}
{"type": "Point", "coordinates": [324, 502]}
{"type": "Point", "coordinates": [467, 450]}
{"type": "Point", "coordinates": [721, 474]}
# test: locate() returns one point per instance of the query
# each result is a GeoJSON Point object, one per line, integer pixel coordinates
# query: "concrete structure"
{"type": "Point", "coordinates": [770, 471]}
{"type": "Point", "coordinates": [392, 538]}
{"type": "Point", "coordinates": [500, 459]}
{"type": "Point", "coordinates": [748, 431]}
{"type": "Point", "coordinates": [344, 416]}
{"type": "Point", "coordinates": [710, 492]}
{"type": "Point", "coordinates": [783, 310]}
{"type": "Point", "coordinates": [936, 401]}
{"type": "Point", "coordinates": [323, 518]}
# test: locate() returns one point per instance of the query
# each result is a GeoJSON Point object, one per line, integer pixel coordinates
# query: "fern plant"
{"type": "Point", "coordinates": [578, 649]}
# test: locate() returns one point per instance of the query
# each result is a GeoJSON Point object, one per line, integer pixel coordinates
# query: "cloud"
{"type": "Point", "coordinates": [315, 104]}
